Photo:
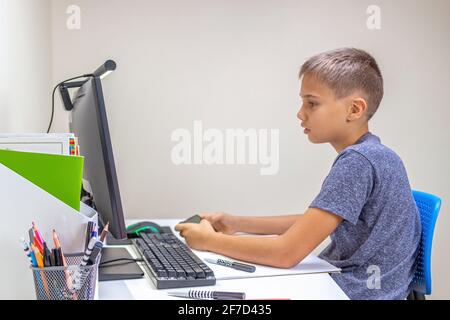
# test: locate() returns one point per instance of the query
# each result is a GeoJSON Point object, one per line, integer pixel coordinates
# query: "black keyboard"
{"type": "Point", "coordinates": [170, 262]}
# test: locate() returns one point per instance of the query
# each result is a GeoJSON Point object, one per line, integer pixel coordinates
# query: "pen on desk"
{"type": "Point", "coordinates": [232, 264]}
{"type": "Point", "coordinates": [216, 295]}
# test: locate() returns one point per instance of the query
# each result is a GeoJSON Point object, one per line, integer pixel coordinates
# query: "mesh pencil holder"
{"type": "Point", "coordinates": [74, 282]}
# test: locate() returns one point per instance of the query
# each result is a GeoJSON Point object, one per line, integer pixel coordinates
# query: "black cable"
{"type": "Point", "coordinates": [53, 95]}
{"type": "Point", "coordinates": [127, 260]}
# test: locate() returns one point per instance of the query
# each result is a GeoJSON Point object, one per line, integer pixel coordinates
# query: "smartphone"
{"type": "Point", "coordinates": [193, 219]}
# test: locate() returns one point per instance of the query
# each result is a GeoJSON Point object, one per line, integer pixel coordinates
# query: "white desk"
{"type": "Point", "coordinates": [296, 287]}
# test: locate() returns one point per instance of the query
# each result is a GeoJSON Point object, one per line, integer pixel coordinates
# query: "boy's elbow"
{"type": "Point", "coordinates": [288, 254]}
{"type": "Point", "coordinates": [288, 260]}
{"type": "Point", "coordinates": [288, 263]}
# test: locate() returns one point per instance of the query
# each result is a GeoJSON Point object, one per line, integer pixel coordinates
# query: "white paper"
{"type": "Point", "coordinates": [311, 264]}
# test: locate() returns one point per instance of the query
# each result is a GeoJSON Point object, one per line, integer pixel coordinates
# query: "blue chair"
{"type": "Point", "coordinates": [429, 206]}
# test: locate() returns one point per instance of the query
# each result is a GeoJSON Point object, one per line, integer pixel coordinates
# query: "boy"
{"type": "Point", "coordinates": [365, 203]}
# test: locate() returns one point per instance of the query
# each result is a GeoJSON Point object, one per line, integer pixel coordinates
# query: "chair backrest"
{"type": "Point", "coordinates": [429, 206]}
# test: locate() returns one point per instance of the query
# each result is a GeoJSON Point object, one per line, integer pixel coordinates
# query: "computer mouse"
{"type": "Point", "coordinates": [143, 226]}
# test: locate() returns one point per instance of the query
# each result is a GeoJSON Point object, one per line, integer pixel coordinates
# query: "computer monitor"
{"type": "Point", "coordinates": [88, 121]}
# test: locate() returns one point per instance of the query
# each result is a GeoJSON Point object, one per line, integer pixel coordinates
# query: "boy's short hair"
{"type": "Point", "coordinates": [346, 70]}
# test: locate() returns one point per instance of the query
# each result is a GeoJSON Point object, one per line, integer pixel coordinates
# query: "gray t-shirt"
{"type": "Point", "coordinates": [377, 242]}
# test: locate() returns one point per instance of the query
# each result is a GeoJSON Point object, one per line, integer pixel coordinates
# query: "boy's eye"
{"type": "Point", "coordinates": [312, 104]}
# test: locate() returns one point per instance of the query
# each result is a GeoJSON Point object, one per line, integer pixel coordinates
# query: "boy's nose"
{"type": "Point", "coordinates": [300, 114]}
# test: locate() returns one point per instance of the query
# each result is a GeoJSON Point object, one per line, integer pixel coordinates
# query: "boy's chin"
{"type": "Point", "coordinates": [315, 140]}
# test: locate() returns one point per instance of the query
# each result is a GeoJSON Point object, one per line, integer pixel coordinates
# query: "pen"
{"type": "Point", "coordinates": [232, 264]}
{"type": "Point", "coordinates": [216, 295]}
{"type": "Point", "coordinates": [88, 251]}
{"type": "Point", "coordinates": [77, 279]}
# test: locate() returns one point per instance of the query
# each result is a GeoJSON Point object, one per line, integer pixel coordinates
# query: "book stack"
{"type": "Point", "coordinates": [51, 143]}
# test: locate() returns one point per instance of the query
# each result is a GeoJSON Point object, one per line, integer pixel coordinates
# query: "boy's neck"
{"type": "Point", "coordinates": [350, 139]}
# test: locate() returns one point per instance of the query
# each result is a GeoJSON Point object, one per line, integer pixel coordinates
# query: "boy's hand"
{"type": "Point", "coordinates": [197, 235]}
{"type": "Point", "coordinates": [221, 222]}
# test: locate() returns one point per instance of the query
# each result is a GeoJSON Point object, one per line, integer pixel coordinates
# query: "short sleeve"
{"type": "Point", "coordinates": [347, 187]}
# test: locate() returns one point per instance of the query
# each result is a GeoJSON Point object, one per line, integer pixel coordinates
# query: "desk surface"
{"type": "Point", "coordinates": [298, 287]}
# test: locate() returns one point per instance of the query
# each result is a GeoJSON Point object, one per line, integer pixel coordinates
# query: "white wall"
{"type": "Point", "coordinates": [25, 64]}
{"type": "Point", "coordinates": [233, 64]}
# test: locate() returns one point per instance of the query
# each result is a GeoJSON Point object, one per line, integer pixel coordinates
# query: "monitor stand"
{"type": "Point", "coordinates": [111, 241]}
{"type": "Point", "coordinates": [118, 270]}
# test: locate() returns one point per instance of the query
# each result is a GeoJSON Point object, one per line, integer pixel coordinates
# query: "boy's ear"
{"type": "Point", "coordinates": [357, 109]}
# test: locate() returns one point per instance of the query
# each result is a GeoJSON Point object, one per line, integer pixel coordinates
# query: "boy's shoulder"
{"type": "Point", "coordinates": [370, 147]}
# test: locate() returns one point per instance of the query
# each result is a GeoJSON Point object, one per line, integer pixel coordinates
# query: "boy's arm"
{"type": "Point", "coordinates": [284, 251]}
{"type": "Point", "coordinates": [266, 225]}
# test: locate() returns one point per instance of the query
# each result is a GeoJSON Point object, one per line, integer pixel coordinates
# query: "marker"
{"type": "Point", "coordinates": [55, 258]}
{"type": "Point", "coordinates": [31, 235]}
{"type": "Point", "coordinates": [26, 249]}
{"type": "Point", "coordinates": [95, 252]}
{"type": "Point", "coordinates": [232, 264]}
{"type": "Point", "coordinates": [33, 259]}
{"type": "Point", "coordinates": [46, 255]}
{"type": "Point", "coordinates": [89, 227]}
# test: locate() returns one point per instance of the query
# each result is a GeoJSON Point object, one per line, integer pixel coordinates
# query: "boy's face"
{"type": "Point", "coordinates": [322, 115]}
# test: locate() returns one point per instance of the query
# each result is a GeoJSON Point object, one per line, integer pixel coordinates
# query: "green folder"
{"type": "Point", "coordinates": [59, 175]}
